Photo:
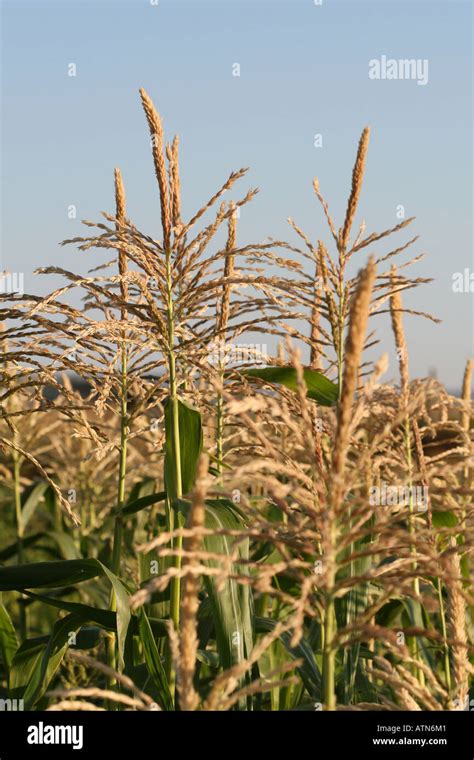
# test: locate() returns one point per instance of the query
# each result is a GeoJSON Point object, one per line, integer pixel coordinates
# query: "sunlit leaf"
{"type": "Point", "coordinates": [318, 387]}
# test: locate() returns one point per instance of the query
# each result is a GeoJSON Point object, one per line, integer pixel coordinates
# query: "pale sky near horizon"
{"type": "Point", "coordinates": [304, 70]}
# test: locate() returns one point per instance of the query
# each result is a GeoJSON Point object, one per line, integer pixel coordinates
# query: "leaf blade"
{"type": "Point", "coordinates": [318, 387]}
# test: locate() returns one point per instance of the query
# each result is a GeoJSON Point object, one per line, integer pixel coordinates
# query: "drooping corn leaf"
{"type": "Point", "coordinates": [144, 487]}
{"type": "Point", "coordinates": [37, 669]}
{"type": "Point", "coordinates": [87, 637]}
{"type": "Point", "coordinates": [49, 574]}
{"type": "Point", "coordinates": [103, 618]}
{"type": "Point", "coordinates": [144, 501]}
{"type": "Point", "coordinates": [318, 387]}
{"type": "Point", "coordinates": [35, 664]}
{"type": "Point", "coordinates": [69, 572]}
{"type": "Point", "coordinates": [62, 636]}
{"type": "Point", "coordinates": [65, 544]}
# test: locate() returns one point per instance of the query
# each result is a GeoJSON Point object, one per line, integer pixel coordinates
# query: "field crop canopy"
{"type": "Point", "coordinates": [190, 522]}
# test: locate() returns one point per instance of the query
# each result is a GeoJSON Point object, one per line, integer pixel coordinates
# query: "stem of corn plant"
{"type": "Point", "coordinates": [118, 523]}
{"type": "Point", "coordinates": [220, 428]}
{"type": "Point", "coordinates": [17, 461]}
{"type": "Point", "coordinates": [359, 315]}
{"type": "Point", "coordinates": [19, 534]}
{"type": "Point", "coordinates": [222, 323]}
{"type": "Point", "coordinates": [340, 345]}
{"type": "Point", "coordinates": [447, 669]}
{"type": "Point", "coordinates": [330, 611]}
{"type": "Point", "coordinates": [329, 657]}
{"type": "Point", "coordinates": [416, 581]}
{"type": "Point", "coordinates": [329, 631]}
{"type": "Point", "coordinates": [349, 683]}
{"type": "Point", "coordinates": [329, 623]}
{"type": "Point", "coordinates": [175, 591]}
{"type": "Point", "coordinates": [396, 308]}
{"type": "Point", "coordinates": [118, 528]}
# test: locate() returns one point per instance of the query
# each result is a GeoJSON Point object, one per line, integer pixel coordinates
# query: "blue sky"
{"type": "Point", "coordinates": [304, 70]}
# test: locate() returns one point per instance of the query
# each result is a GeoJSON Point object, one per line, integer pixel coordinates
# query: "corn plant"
{"type": "Point", "coordinates": [188, 531]}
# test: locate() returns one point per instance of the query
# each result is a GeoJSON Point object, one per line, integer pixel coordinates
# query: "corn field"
{"type": "Point", "coordinates": [190, 523]}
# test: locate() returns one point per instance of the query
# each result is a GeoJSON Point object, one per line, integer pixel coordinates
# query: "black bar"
{"type": "Point", "coordinates": [364, 734]}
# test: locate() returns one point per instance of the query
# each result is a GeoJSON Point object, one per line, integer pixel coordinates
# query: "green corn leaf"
{"type": "Point", "coordinates": [104, 618]}
{"type": "Point", "coordinates": [26, 659]}
{"type": "Point", "coordinates": [144, 501]}
{"type": "Point", "coordinates": [231, 604]}
{"type": "Point", "coordinates": [190, 440]}
{"type": "Point", "coordinates": [318, 387]}
{"type": "Point", "coordinates": [153, 660]}
{"type": "Point", "coordinates": [308, 670]}
{"type": "Point", "coordinates": [69, 572]}
{"type": "Point", "coordinates": [144, 487]}
{"type": "Point", "coordinates": [349, 608]}
{"type": "Point", "coordinates": [416, 616]}
{"type": "Point", "coordinates": [389, 613]}
{"type": "Point", "coordinates": [30, 500]}
{"type": "Point", "coordinates": [64, 542]}
{"type": "Point", "coordinates": [12, 549]}
{"type": "Point", "coordinates": [8, 640]}
{"type": "Point", "coordinates": [59, 642]}
{"type": "Point", "coordinates": [211, 659]}
{"type": "Point", "coordinates": [444, 519]}
{"type": "Point", "coordinates": [35, 664]}
{"type": "Point", "coordinates": [88, 637]}
{"type": "Point", "coordinates": [123, 612]}
{"type": "Point", "coordinates": [49, 574]}
{"type": "Point", "coordinates": [274, 658]}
